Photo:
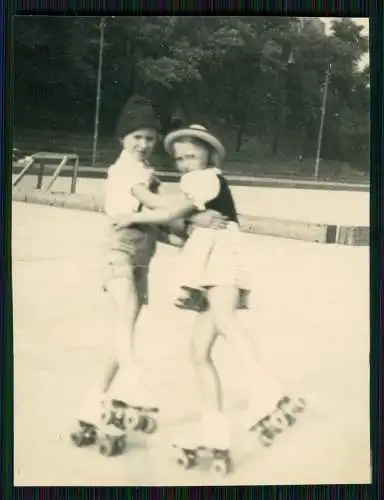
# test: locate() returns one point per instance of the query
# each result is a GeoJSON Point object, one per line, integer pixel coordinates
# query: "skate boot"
{"type": "Point", "coordinates": [275, 422]}
{"type": "Point", "coordinates": [265, 418]}
{"type": "Point", "coordinates": [89, 420]}
{"type": "Point", "coordinates": [131, 406]}
{"type": "Point", "coordinates": [208, 445]}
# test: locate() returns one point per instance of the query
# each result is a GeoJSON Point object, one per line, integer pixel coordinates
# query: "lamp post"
{"type": "Point", "coordinates": [98, 91]}
{"type": "Point", "coordinates": [321, 128]}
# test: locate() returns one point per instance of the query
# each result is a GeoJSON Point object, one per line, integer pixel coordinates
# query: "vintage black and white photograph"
{"type": "Point", "coordinates": [190, 250]}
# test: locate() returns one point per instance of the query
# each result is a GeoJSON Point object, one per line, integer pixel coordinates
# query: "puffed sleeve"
{"type": "Point", "coordinates": [200, 187]}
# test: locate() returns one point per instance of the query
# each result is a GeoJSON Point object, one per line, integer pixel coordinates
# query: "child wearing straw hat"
{"type": "Point", "coordinates": [213, 281]}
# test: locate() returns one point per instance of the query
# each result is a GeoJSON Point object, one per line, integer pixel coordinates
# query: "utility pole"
{"type": "Point", "coordinates": [98, 91]}
{"type": "Point", "coordinates": [321, 128]}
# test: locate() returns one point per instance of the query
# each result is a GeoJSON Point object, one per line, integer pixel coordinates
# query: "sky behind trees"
{"type": "Point", "coordinates": [361, 21]}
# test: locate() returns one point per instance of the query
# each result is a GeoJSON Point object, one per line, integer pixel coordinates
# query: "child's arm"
{"type": "Point", "coordinates": [148, 195]}
{"type": "Point", "coordinates": [178, 231]}
{"type": "Point", "coordinates": [149, 199]}
{"type": "Point", "coordinates": [159, 216]}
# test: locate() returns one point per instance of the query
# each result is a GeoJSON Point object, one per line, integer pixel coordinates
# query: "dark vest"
{"type": "Point", "coordinates": [224, 202]}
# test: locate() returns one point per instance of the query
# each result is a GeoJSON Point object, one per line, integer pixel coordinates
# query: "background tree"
{"type": "Point", "coordinates": [255, 79]}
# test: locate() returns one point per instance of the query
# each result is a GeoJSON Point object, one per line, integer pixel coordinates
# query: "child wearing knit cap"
{"type": "Point", "coordinates": [111, 408]}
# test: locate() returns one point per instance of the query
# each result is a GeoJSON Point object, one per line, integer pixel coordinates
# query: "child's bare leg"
{"type": "Point", "coordinates": [112, 367]}
{"type": "Point", "coordinates": [127, 307]}
{"type": "Point", "coordinates": [113, 364]}
{"type": "Point", "coordinates": [263, 391]}
{"type": "Point", "coordinates": [121, 349]}
{"type": "Point", "coordinates": [130, 386]}
{"type": "Point", "coordinates": [212, 429]}
{"type": "Point", "coordinates": [204, 338]}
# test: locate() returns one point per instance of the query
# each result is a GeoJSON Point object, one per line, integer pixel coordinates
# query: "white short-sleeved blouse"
{"type": "Point", "coordinates": [201, 186]}
{"type": "Point", "coordinates": [123, 175]}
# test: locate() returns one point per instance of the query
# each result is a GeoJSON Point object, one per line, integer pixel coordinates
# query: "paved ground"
{"type": "Point", "coordinates": [310, 315]}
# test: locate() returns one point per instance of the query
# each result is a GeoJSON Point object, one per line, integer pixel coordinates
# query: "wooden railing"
{"type": "Point", "coordinates": [31, 141]}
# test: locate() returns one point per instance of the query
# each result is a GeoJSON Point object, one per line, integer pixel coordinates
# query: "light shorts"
{"type": "Point", "coordinates": [128, 255]}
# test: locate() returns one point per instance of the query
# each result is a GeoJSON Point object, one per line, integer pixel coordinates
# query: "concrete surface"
{"type": "Point", "coordinates": [310, 315]}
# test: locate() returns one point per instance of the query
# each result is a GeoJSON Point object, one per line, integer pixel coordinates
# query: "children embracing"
{"type": "Point", "coordinates": [213, 281]}
{"type": "Point", "coordinates": [118, 400]}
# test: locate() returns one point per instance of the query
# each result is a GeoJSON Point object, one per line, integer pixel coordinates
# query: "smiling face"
{"type": "Point", "coordinates": [140, 143]}
{"type": "Point", "coordinates": [190, 156]}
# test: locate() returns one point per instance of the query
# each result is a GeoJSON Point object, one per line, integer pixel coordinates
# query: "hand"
{"type": "Point", "coordinates": [154, 184]}
{"type": "Point", "coordinates": [177, 226]}
{"type": "Point", "coordinates": [123, 221]}
{"type": "Point", "coordinates": [210, 219]}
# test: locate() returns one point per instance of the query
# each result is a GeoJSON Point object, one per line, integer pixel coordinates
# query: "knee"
{"type": "Point", "coordinates": [126, 315]}
{"type": "Point", "coordinates": [226, 324]}
{"type": "Point", "coordinates": [223, 305]}
{"type": "Point", "coordinates": [124, 296]}
{"type": "Point", "coordinates": [201, 357]}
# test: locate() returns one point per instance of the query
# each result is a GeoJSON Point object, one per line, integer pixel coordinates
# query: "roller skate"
{"type": "Point", "coordinates": [132, 417]}
{"type": "Point", "coordinates": [130, 405]}
{"type": "Point", "coordinates": [88, 422]}
{"type": "Point", "coordinates": [276, 422]}
{"type": "Point", "coordinates": [111, 440]}
{"type": "Point", "coordinates": [94, 429]}
{"type": "Point", "coordinates": [208, 446]}
{"type": "Point", "coordinates": [291, 408]}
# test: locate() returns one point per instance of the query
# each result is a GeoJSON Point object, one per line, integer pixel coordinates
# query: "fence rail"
{"type": "Point", "coordinates": [241, 163]}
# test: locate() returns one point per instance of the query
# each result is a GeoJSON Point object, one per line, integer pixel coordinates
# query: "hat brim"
{"type": "Point", "coordinates": [198, 134]}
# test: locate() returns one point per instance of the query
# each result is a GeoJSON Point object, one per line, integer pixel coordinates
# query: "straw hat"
{"type": "Point", "coordinates": [197, 131]}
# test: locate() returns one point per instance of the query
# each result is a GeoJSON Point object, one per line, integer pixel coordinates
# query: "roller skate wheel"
{"type": "Point", "coordinates": [185, 461]}
{"type": "Point", "coordinates": [78, 439]}
{"type": "Point", "coordinates": [91, 435]}
{"type": "Point", "coordinates": [149, 424]}
{"type": "Point", "coordinates": [132, 419]}
{"type": "Point", "coordinates": [278, 422]}
{"type": "Point", "coordinates": [119, 420]}
{"type": "Point", "coordinates": [119, 414]}
{"type": "Point", "coordinates": [83, 437]}
{"type": "Point", "coordinates": [107, 416]}
{"type": "Point", "coordinates": [220, 467]}
{"type": "Point", "coordinates": [265, 441]}
{"type": "Point", "coordinates": [265, 434]}
{"type": "Point", "coordinates": [120, 445]}
{"type": "Point", "coordinates": [300, 405]}
{"type": "Point", "coordinates": [107, 446]}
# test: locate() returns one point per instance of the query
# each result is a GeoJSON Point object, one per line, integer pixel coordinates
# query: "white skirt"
{"type": "Point", "coordinates": [212, 258]}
